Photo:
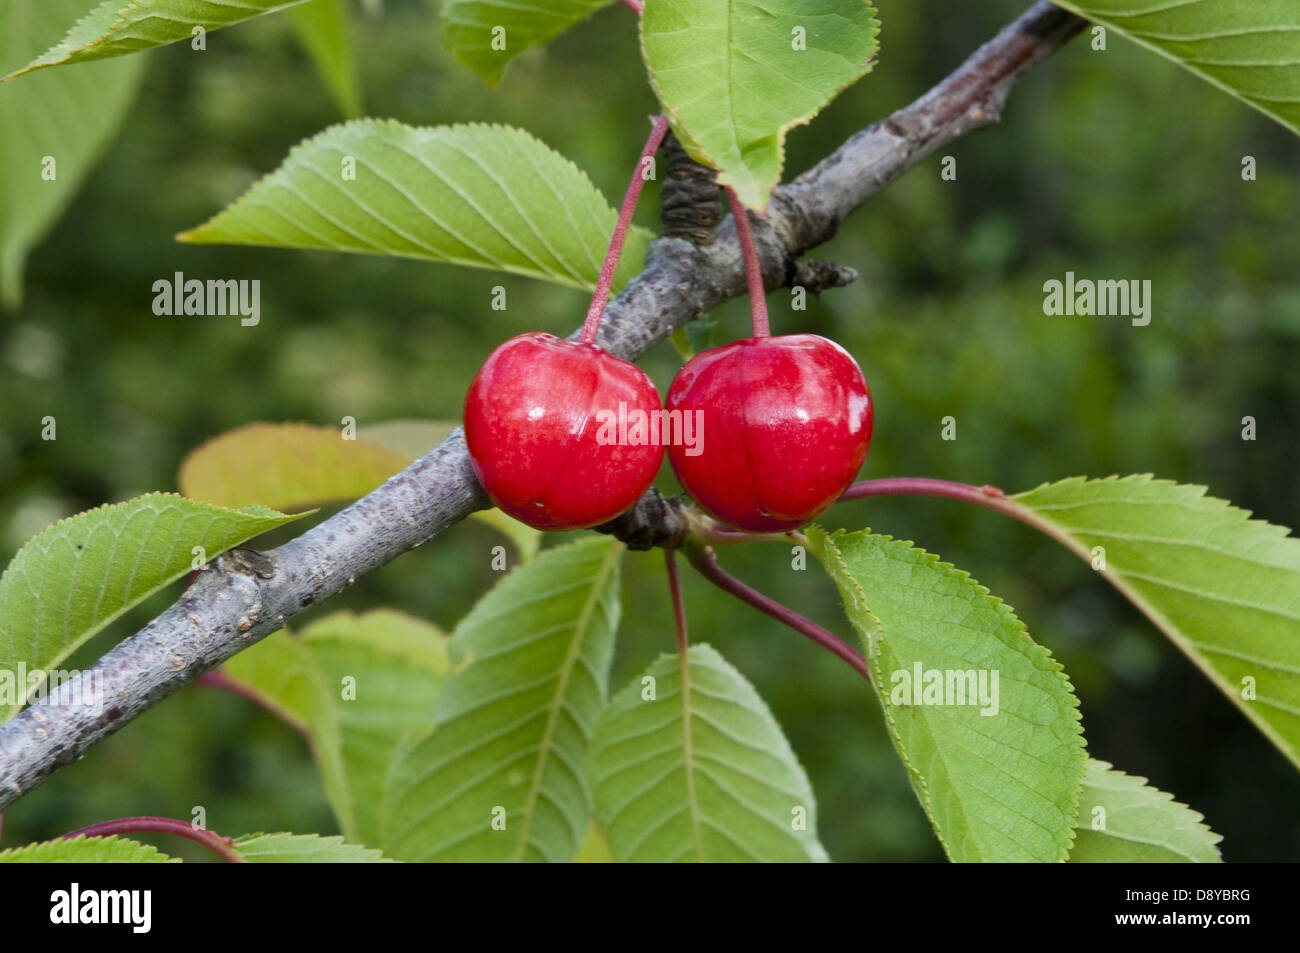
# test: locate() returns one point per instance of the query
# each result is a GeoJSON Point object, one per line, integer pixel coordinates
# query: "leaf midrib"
{"type": "Point", "coordinates": [570, 659]}
{"type": "Point", "coordinates": [688, 758]}
{"type": "Point", "coordinates": [1122, 580]}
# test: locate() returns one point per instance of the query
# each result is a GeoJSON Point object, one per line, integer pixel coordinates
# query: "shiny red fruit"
{"type": "Point", "coordinates": [541, 422]}
{"type": "Point", "coordinates": [786, 425]}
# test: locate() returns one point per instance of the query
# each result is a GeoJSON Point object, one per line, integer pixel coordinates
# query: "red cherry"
{"type": "Point", "coordinates": [534, 420]}
{"type": "Point", "coordinates": [786, 425]}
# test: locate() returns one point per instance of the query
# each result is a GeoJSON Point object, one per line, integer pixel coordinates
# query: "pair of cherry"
{"type": "Point", "coordinates": [785, 425]}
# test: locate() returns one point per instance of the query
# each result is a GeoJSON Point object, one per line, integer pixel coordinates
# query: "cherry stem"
{"type": "Point", "coordinates": [636, 6]}
{"type": "Point", "coordinates": [987, 496]}
{"type": "Point", "coordinates": [679, 609]}
{"type": "Point", "coordinates": [712, 533]}
{"type": "Point", "coordinates": [605, 282]}
{"type": "Point", "coordinates": [922, 486]}
{"type": "Point", "coordinates": [705, 562]}
{"type": "Point", "coordinates": [162, 825]}
{"type": "Point", "coordinates": [753, 270]}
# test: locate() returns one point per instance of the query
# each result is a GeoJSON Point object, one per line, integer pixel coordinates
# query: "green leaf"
{"type": "Point", "coordinates": [385, 671]}
{"type": "Point", "coordinates": [116, 27]}
{"type": "Point", "coordinates": [733, 79]}
{"type": "Point", "coordinates": [1248, 50]}
{"type": "Point", "coordinates": [468, 25]}
{"type": "Point", "coordinates": [286, 466]}
{"type": "Point", "coordinates": [1123, 821]}
{"type": "Point", "coordinates": [68, 117]}
{"type": "Point", "coordinates": [361, 687]}
{"type": "Point", "coordinates": [287, 680]}
{"type": "Point", "coordinates": [1223, 587]}
{"type": "Point", "coordinates": [80, 574]}
{"type": "Point", "coordinates": [513, 725]}
{"type": "Point", "coordinates": [87, 850]}
{"type": "Point", "coordinates": [700, 771]}
{"type": "Point", "coordinates": [303, 849]}
{"type": "Point", "coordinates": [325, 32]}
{"type": "Point", "coordinates": [1001, 786]}
{"type": "Point", "coordinates": [481, 196]}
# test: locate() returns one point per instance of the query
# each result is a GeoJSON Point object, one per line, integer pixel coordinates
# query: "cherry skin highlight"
{"type": "Point", "coordinates": [786, 424]}
{"type": "Point", "coordinates": [537, 425]}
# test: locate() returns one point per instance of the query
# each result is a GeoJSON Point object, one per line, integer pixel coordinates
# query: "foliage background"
{"type": "Point", "coordinates": [1109, 164]}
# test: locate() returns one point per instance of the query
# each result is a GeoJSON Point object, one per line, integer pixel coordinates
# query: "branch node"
{"type": "Point", "coordinates": [653, 521]}
{"type": "Point", "coordinates": [815, 275]}
{"type": "Point", "coordinates": [247, 562]}
{"type": "Point", "coordinates": [689, 199]}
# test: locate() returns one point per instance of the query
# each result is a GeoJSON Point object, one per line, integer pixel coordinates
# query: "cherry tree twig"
{"type": "Point", "coordinates": [162, 825]}
{"type": "Point", "coordinates": [679, 607]}
{"type": "Point", "coordinates": [706, 564]}
{"type": "Point", "coordinates": [681, 280]}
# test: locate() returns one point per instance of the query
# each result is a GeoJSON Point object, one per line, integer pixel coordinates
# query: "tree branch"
{"type": "Point", "coordinates": [682, 279]}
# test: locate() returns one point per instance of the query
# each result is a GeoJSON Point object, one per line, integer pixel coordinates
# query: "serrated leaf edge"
{"type": "Point", "coordinates": [697, 152]}
{"type": "Point", "coordinates": [493, 83]}
{"type": "Point", "coordinates": [1190, 493]}
{"type": "Point", "coordinates": [84, 839]}
{"type": "Point", "coordinates": [1035, 648]}
{"type": "Point", "coordinates": [240, 511]}
{"type": "Point", "coordinates": [1135, 782]}
{"type": "Point", "coordinates": [327, 840]}
{"type": "Point", "coordinates": [124, 6]}
{"type": "Point", "coordinates": [364, 126]}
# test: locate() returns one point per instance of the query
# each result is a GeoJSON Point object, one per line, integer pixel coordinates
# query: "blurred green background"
{"type": "Point", "coordinates": [1110, 164]}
